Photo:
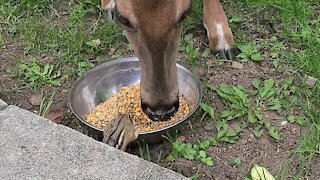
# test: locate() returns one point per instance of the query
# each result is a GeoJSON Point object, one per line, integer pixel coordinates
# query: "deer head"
{"type": "Point", "coordinates": [153, 27]}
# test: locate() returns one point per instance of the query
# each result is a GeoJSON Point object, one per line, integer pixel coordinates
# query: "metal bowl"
{"type": "Point", "coordinates": [104, 80]}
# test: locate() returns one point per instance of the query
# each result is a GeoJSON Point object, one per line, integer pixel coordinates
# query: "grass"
{"type": "Point", "coordinates": [67, 44]}
{"type": "Point", "coordinates": [73, 40]}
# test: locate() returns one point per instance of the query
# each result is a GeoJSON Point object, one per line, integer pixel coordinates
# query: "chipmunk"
{"type": "Point", "coordinates": [120, 132]}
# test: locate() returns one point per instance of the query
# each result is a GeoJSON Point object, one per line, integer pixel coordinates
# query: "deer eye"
{"type": "Point", "coordinates": [123, 20]}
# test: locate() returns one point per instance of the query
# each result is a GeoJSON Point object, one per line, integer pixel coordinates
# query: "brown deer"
{"type": "Point", "coordinates": [153, 27]}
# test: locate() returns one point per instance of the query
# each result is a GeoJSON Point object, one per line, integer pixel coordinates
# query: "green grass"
{"type": "Point", "coordinates": [297, 27]}
{"type": "Point", "coordinates": [67, 43]}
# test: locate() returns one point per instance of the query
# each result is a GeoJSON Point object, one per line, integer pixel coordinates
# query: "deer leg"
{"type": "Point", "coordinates": [109, 6]}
{"type": "Point", "coordinates": [219, 33]}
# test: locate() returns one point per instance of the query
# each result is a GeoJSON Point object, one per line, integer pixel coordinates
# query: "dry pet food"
{"type": "Point", "coordinates": [127, 101]}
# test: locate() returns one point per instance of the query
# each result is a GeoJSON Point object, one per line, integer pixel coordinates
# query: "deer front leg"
{"type": "Point", "coordinates": [120, 132]}
{"type": "Point", "coordinates": [109, 6]}
{"type": "Point", "coordinates": [219, 34]}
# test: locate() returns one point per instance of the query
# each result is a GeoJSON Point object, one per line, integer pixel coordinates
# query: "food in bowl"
{"type": "Point", "coordinates": [127, 101]}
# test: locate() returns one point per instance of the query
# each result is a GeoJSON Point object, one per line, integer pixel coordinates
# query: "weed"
{"type": "Point", "coordinates": [1, 40]}
{"type": "Point", "coordinates": [37, 76]}
{"type": "Point", "coordinates": [192, 53]}
{"type": "Point", "coordinates": [144, 152]}
{"type": "Point", "coordinates": [45, 105]}
{"type": "Point", "coordinates": [195, 176]}
{"type": "Point", "coordinates": [207, 110]}
{"type": "Point", "coordinates": [83, 66]}
{"type": "Point", "coordinates": [249, 51]}
{"type": "Point", "coordinates": [225, 134]}
{"type": "Point", "coordinates": [248, 110]}
{"type": "Point", "coordinates": [237, 161]}
{"type": "Point", "coordinates": [192, 151]}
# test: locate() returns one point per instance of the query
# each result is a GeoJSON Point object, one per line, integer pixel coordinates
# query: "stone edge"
{"type": "Point", "coordinates": [3, 105]}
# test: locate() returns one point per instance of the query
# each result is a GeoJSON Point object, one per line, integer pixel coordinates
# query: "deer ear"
{"type": "Point", "coordinates": [182, 8]}
{"type": "Point", "coordinates": [107, 4]}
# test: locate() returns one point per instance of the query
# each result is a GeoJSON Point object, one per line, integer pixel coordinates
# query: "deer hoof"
{"type": "Point", "coordinates": [229, 53]}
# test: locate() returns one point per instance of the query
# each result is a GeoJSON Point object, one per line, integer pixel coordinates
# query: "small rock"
{"type": "Point", "coordinates": [311, 81]}
{"type": "Point", "coordinates": [284, 123]}
{"type": "Point", "coordinates": [56, 112]}
{"type": "Point", "coordinates": [35, 99]}
{"type": "Point", "coordinates": [112, 51]}
{"type": "Point", "coordinates": [234, 78]}
{"type": "Point", "coordinates": [208, 127]}
{"type": "Point", "coordinates": [236, 65]}
{"type": "Point", "coordinates": [55, 116]}
{"type": "Point", "coordinates": [181, 138]}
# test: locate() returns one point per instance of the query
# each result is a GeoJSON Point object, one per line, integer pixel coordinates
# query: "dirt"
{"type": "Point", "coordinates": [263, 151]}
{"type": "Point", "coordinates": [251, 150]}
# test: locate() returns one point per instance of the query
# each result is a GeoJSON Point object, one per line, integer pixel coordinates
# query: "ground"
{"type": "Point", "coordinates": [73, 36]}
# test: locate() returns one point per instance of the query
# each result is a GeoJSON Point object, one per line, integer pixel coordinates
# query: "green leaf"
{"type": "Point", "coordinates": [256, 83]}
{"type": "Point", "coordinates": [260, 173]}
{"type": "Point", "coordinates": [55, 83]}
{"type": "Point", "coordinates": [231, 134]}
{"type": "Point", "coordinates": [237, 161]}
{"type": "Point", "coordinates": [220, 134]}
{"type": "Point", "coordinates": [229, 140]}
{"type": "Point", "coordinates": [207, 160]}
{"type": "Point", "coordinates": [212, 87]}
{"type": "Point", "coordinates": [275, 105]}
{"type": "Point", "coordinates": [252, 117]}
{"type": "Point", "coordinates": [205, 144]}
{"type": "Point", "coordinates": [257, 57]}
{"type": "Point", "coordinates": [213, 141]}
{"type": "Point", "coordinates": [258, 133]}
{"type": "Point", "coordinates": [202, 154]}
{"type": "Point", "coordinates": [225, 89]}
{"type": "Point", "coordinates": [225, 114]}
{"type": "Point", "coordinates": [291, 119]}
{"type": "Point", "coordinates": [240, 93]}
{"type": "Point", "coordinates": [268, 84]}
{"type": "Point", "coordinates": [206, 53]}
{"type": "Point", "coordinates": [235, 18]}
{"type": "Point", "coordinates": [171, 158]}
{"type": "Point", "coordinates": [274, 133]}
{"type": "Point", "coordinates": [208, 109]}
{"type": "Point", "coordinates": [210, 163]}
{"type": "Point", "coordinates": [219, 125]}
{"type": "Point", "coordinates": [301, 121]}
{"type": "Point", "coordinates": [270, 93]}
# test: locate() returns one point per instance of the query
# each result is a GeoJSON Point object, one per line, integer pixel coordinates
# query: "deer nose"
{"type": "Point", "coordinates": [160, 112]}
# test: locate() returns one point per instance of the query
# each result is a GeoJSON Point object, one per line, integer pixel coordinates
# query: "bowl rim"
{"type": "Point", "coordinates": [133, 59]}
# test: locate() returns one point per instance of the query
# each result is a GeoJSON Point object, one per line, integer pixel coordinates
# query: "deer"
{"type": "Point", "coordinates": [153, 28]}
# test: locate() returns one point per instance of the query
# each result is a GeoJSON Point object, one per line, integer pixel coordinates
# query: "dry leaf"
{"type": "Point", "coordinates": [96, 42]}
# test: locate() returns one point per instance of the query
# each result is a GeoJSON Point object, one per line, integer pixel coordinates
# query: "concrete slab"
{"type": "Point", "coordinates": [32, 147]}
{"type": "Point", "coordinates": [2, 105]}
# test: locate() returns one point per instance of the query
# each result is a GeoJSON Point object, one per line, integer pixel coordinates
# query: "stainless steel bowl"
{"type": "Point", "coordinates": [104, 80]}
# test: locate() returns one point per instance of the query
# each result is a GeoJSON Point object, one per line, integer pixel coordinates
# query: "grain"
{"type": "Point", "coordinates": [127, 101]}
